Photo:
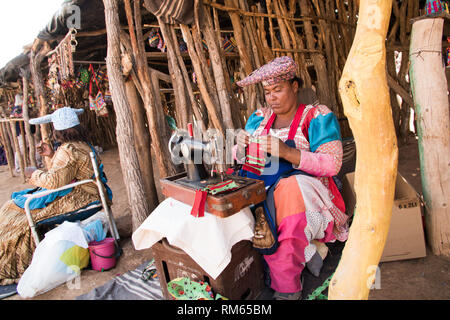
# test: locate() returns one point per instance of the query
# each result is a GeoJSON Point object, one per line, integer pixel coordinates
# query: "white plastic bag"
{"type": "Point", "coordinates": [57, 259]}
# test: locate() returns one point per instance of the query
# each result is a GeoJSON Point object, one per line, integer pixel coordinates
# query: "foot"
{"type": "Point", "coordinates": [315, 264]}
{"type": "Point", "coordinates": [287, 295]}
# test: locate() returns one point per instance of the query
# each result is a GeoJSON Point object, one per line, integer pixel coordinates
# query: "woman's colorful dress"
{"type": "Point", "coordinates": [307, 208]}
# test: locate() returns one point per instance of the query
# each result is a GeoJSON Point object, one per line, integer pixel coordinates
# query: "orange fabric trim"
{"type": "Point", "coordinates": [288, 198]}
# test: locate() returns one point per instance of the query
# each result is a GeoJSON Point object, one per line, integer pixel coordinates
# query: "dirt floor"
{"type": "Point", "coordinates": [424, 278]}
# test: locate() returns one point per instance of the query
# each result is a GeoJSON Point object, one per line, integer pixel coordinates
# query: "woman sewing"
{"type": "Point", "coordinates": [69, 163]}
{"type": "Point", "coordinates": [297, 149]}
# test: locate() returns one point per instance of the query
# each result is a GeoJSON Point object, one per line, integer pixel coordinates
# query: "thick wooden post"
{"type": "Point", "coordinates": [143, 145]}
{"type": "Point", "coordinates": [429, 87]}
{"type": "Point", "coordinates": [365, 96]}
{"type": "Point", "coordinates": [124, 128]}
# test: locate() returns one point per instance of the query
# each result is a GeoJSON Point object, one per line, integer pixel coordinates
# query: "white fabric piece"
{"type": "Point", "coordinates": [207, 240]}
{"type": "Point", "coordinates": [315, 229]}
{"type": "Point", "coordinates": [317, 210]}
{"type": "Point", "coordinates": [316, 197]}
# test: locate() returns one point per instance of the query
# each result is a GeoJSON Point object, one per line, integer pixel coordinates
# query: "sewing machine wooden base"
{"type": "Point", "coordinates": [250, 192]}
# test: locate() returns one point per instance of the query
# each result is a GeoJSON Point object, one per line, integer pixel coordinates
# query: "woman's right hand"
{"type": "Point", "coordinates": [242, 139]}
{"type": "Point", "coordinates": [44, 149]}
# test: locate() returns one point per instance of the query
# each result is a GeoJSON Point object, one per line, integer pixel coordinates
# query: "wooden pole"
{"type": "Point", "coordinates": [12, 127]}
{"type": "Point", "coordinates": [23, 152]}
{"type": "Point", "coordinates": [8, 149]}
{"type": "Point", "coordinates": [365, 95]}
{"type": "Point", "coordinates": [124, 128]}
{"type": "Point", "coordinates": [429, 87]}
{"type": "Point", "coordinates": [36, 59]}
{"type": "Point", "coordinates": [30, 137]}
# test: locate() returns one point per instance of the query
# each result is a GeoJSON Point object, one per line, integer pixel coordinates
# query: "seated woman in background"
{"type": "Point", "coordinates": [306, 152]}
{"type": "Point", "coordinates": [69, 163]}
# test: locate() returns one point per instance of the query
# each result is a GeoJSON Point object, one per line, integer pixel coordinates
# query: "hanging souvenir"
{"type": "Point", "coordinates": [153, 39]}
{"type": "Point", "coordinates": [84, 75]}
{"type": "Point", "coordinates": [101, 75]}
{"type": "Point", "coordinates": [97, 104]}
{"type": "Point", "coordinates": [227, 45]}
{"type": "Point", "coordinates": [64, 56]}
{"type": "Point", "coordinates": [108, 96]}
{"type": "Point", "coordinates": [205, 45]}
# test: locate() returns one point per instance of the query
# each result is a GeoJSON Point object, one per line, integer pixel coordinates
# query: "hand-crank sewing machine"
{"type": "Point", "coordinates": [182, 187]}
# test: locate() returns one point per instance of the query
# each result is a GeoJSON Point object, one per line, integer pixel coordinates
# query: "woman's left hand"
{"type": "Point", "coordinates": [275, 146]}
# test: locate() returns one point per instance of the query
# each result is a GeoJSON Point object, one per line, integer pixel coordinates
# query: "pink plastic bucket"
{"type": "Point", "coordinates": [103, 254]}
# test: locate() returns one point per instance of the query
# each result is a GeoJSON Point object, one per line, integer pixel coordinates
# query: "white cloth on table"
{"type": "Point", "coordinates": [207, 240]}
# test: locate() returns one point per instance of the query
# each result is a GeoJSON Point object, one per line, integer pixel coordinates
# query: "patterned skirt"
{"type": "Point", "coordinates": [16, 242]}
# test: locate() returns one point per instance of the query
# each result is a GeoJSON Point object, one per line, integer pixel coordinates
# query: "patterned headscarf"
{"type": "Point", "coordinates": [280, 69]}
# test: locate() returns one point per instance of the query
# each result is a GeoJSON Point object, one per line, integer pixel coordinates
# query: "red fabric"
{"type": "Point", "coordinates": [296, 122]}
{"type": "Point", "coordinates": [250, 168]}
{"type": "Point", "coordinates": [230, 171]}
{"type": "Point", "coordinates": [305, 126]}
{"type": "Point", "coordinates": [337, 200]}
{"type": "Point", "coordinates": [198, 209]}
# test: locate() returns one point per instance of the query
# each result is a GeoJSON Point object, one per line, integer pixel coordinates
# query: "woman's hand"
{"type": "Point", "coordinates": [44, 149]}
{"type": "Point", "coordinates": [242, 139]}
{"type": "Point", "coordinates": [277, 148]}
{"type": "Point", "coordinates": [29, 171]}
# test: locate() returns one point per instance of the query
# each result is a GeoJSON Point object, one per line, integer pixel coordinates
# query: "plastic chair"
{"type": "Point", "coordinates": [79, 214]}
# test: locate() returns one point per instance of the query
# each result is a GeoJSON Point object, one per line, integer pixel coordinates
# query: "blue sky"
{"type": "Point", "coordinates": [20, 22]}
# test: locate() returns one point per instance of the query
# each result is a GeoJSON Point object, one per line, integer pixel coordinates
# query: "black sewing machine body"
{"type": "Point", "coordinates": [183, 186]}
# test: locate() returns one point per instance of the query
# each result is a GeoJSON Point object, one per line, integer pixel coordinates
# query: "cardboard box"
{"type": "Point", "coordinates": [406, 238]}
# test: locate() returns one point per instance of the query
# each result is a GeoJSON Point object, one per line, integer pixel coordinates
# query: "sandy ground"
{"type": "Point", "coordinates": [424, 278]}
